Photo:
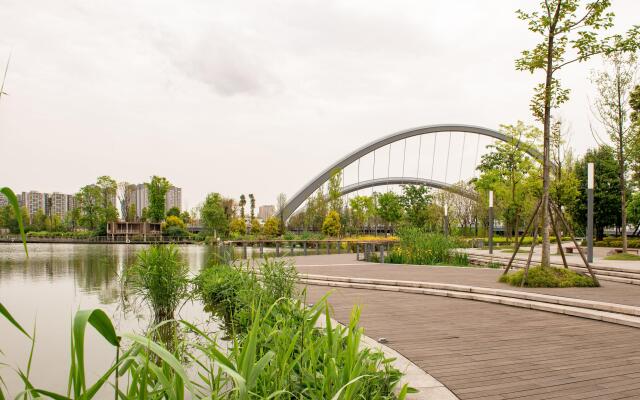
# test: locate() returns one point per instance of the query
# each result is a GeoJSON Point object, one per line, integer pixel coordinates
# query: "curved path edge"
{"type": "Point", "coordinates": [615, 313]}
{"type": "Point", "coordinates": [429, 388]}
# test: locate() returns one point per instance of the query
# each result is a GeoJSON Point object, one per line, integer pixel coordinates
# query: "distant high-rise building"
{"type": "Point", "coordinates": [34, 201]}
{"type": "Point", "coordinates": [173, 198]}
{"type": "Point", "coordinates": [59, 205]}
{"type": "Point", "coordinates": [71, 202]}
{"type": "Point", "coordinates": [140, 197]}
{"type": "Point", "coordinates": [266, 212]}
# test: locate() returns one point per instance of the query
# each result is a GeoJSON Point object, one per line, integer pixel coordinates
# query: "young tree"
{"type": "Point", "coordinates": [173, 212]}
{"type": "Point", "coordinates": [606, 211]}
{"type": "Point", "coordinates": [272, 226]}
{"type": "Point", "coordinates": [331, 225]}
{"type": "Point", "coordinates": [634, 102]}
{"type": "Point", "coordinates": [252, 204]}
{"type": "Point", "coordinates": [242, 203]}
{"type": "Point", "coordinates": [361, 210]}
{"type": "Point", "coordinates": [132, 213]}
{"type": "Point", "coordinates": [317, 209]}
{"type": "Point", "coordinates": [508, 171]}
{"type": "Point", "coordinates": [213, 216]}
{"type": "Point", "coordinates": [612, 108]}
{"type": "Point", "coordinates": [335, 192]}
{"type": "Point", "coordinates": [415, 200]}
{"type": "Point", "coordinates": [389, 208]}
{"type": "Point", "coordinates": [564, 25]}
{"type": "Point", "coordinates": [89, 203]}
{"type": "Point", "coordinates": [124, 199]}
{"type": "Point", "coordinates": [237, 227]}
{"type": "Point", "coordinates": [158, 188]}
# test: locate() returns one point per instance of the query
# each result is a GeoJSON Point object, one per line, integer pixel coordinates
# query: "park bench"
{"type": "Point", "coordinates": [619, 251]}
{"type": "Point", "coordinates": [571, 249]}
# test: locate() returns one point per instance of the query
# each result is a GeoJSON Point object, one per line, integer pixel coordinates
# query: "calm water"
{"type": "Point", "coordinates": [56, 280]}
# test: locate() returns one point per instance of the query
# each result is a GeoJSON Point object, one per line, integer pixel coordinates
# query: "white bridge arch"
{"type": "Point", "coordinates": [299, 198]}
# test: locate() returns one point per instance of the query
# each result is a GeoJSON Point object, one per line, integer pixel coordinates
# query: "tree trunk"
{"type": "Point", "coordinates": [599, 233]}
{"type": "Point", "coordinates": [621, 168]}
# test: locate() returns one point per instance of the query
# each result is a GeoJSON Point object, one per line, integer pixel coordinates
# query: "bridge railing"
{"type": "Point", "coordinates": [286, 248]}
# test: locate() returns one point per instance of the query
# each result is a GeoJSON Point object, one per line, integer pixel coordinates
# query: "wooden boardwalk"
{"type": "Point", "coordinates": [487, 351]}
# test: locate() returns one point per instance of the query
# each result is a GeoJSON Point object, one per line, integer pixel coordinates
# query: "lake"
{"type": "Point", "coordinates": [46, 289]}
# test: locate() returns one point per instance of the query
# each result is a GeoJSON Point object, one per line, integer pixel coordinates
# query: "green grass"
{"type": "Point", "coordinates": [423, 248]}
{"type": "Point", "coordinates": [548, 277]}
{"type": "Point", "coordinates": [160, 277]}
{"type": "Point", "coordinates": [512, 249]}
{"type": "Point", "coordinates": [623, 257]}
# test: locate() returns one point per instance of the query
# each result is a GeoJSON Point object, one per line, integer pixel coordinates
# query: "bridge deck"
{"type": "Point", "coordinates": [487, 351]}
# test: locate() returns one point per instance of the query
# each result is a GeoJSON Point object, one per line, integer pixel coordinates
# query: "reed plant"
{"type": "Point", "coordinates": [161, 278]}
{"type": "Point", "coordinates": [424, 248]}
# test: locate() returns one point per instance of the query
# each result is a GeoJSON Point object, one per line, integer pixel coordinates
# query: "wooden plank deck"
{"type": "Point", "coordinates": [492, 352]}
{"type": "Point", "coordinates": [487, 351]}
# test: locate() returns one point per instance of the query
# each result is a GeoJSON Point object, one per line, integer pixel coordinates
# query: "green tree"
{"type": "Point", "coordinates": [316, 210]}
{"type": "Point", "coordinates": [89, 200]}
{"type": "Point", "coordinates": [563, 25]}
{"type": "Point", "coordinates": [38, 221]}
{"type": "Point", "coordinates": [144, 214]}
{"type": "Point", "coordinates": [335, 192]}
{"type": "Point", "coordinates": [633, 209]}
{"type": "Point", "coordinates": [614, 85]}
{"type": "Point", "coordinates": [186, 217]}
{"type": "Point", "coordinates": [606, 209]}
{"type": "Point", "coordinates": [9, 220]}
{"type": "Point", "coordinates": [256, 228]}
{"type": "Point", "coordinates": [242, 203]}
{"type": "Point", "coordinates": [415, 201]}
{"type": "Point", "coordinates": [173, 212]}
{"type": "Point", "coordinates": [331, 225]}
{"type": "Point", "coordinates": [389, 208]}
{"type": "Point", "coordinates": [213, 216]}
{"type": "Point", "coordinates": [131, 212]}
{"type": "Point", "coordinates": [362, 209]}
{"type": "Point", "coordinates": [252, 205]}
{"type": "Point", "coordinates": [237, 227]}
{"type": "Point", "coordinates": [158, 188]}
{"type": "Point", "coordinates": [272, 227]}
{"type": "Point", "coordinates": [510, 173]}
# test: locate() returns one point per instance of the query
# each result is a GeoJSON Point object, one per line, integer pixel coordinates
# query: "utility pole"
{"type": "Point", "coordinates": [490, 221]}
{"type": "Point", "coordinates": [590, 186]}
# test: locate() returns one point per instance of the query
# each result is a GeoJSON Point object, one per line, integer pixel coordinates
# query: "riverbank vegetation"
{"type": "Point", "coordinates": [272, 344]}
{"type": "Point", "coordinates": [425, 248]}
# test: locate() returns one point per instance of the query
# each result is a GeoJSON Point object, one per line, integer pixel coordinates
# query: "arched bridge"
{"type": "Point", "coordinates": [298, 199]}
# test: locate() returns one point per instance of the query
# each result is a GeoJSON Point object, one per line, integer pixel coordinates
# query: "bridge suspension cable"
{"type": "Point", "coordinates": [419, 153]}
{"type": "Point", "coordinates": [433, 155]}
{"type": "Point", "coordinates": [446, 168]}
{"type": "Point", "coordinates": [464, 141]}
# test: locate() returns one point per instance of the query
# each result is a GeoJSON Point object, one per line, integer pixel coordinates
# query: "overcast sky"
{"type": "Point", "coordinates": [253, 97]}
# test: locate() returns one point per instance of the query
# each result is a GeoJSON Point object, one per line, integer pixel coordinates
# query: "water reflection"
{"type": "Point", "coordinates": [55, 281]}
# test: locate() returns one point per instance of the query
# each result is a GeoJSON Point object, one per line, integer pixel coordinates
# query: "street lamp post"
{"type": "Point", "coordinates": [590, 185]}
{"type": "Point", "coordinates": [490, 221]}
{"type": "Point", "coordinates": [446, 219]}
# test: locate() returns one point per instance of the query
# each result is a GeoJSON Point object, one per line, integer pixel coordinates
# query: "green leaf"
{"type": "Point", "coordinates": [13, 200]}
{"type": "Point", "coordinates": [5, 313]}
{"type": "Point", "coordinates": [165, 355]}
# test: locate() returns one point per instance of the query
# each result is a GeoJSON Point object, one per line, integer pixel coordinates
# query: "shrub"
{"type": "Point", "coordinates": [548, 277]}
{"type": "Point", "coordinates": [271, 227]}
{"type": "Point", "coordinates": [422, 248]}
{"type": "Point", "coordinates": [160, 277]}
{"type": "Point", "coordinates": [331, 226]}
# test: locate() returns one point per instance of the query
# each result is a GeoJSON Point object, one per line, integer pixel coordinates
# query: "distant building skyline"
{"type": "Point", "coordinates": [265, 212]}
{"type": "Point", "coordinates": [139, 196]}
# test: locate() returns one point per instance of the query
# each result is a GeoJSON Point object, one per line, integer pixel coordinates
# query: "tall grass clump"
{"type": "Point", "coordinates": [424, 248]}
{"type": "Point", "coordinates": [548, 277]}
{"type": "Point", "coordinates": [286, 351]}
{"type": "Point", "coordinates": [161, 278]}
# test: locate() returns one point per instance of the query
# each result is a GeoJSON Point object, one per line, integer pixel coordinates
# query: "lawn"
{"type": "Point", "coordinates": [623, 257]}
